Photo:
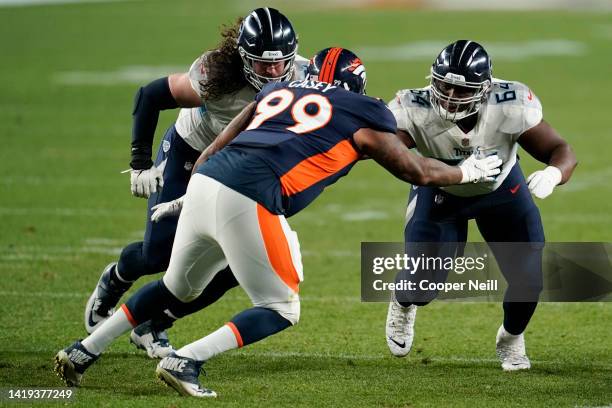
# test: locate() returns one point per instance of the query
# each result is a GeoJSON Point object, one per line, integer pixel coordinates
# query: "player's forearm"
{"type": "Point", "coordinates": [436, 173]}
{"type": "Point", "coordinates": [149, 101]}
{"type": "Point", "coordinates": [563, 158]}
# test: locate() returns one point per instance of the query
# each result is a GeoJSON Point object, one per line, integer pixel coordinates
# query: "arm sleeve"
{"type": "Point", "coordinates": [149, 100]}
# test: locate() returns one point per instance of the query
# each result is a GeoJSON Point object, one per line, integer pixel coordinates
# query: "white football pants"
{"type": "Point", "coordinates": [219, 226]}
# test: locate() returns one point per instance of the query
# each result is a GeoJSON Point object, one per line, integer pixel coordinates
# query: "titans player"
{"type": "Point", "coordinates": [466, 111]}
{"type": "Point", "coordinates": [262, 47]}
{"type": "Point", "coordinates": [298, 138]}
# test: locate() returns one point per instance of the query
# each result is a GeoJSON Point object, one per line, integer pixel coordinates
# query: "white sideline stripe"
{"type": "Point", "coordinates": [509, 51]}
{"type": "Point", "coordinates": [27, 3]}
{"type": "Point", "coordinates": [131, 74]}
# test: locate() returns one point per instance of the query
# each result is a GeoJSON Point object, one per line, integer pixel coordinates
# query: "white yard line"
{"type": "Point", "coordinates": [508, 51]}
{"type": "Point", "coordinates": [132, 74]}
{"type": "Point", "coordinates": [29, 3]}
{"type": "Point", "coordinates": [66, 212]}
{"type": "Point", "coordinates": [230, 296]}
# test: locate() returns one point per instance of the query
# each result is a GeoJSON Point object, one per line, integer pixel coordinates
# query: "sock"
{"type": "Point", "coordinates": [150, 302]}
{"type": "Point", "coordinates": [119, 323]}
{"type": "Point", "coordinates": [117, 281]}
{"type": "Point", "coordinates": [223, 339]}
{"type": "Point", "coordinates": [517, 316]}
{"type": "Point", "coordinates": [162, 322]}
{"type": "Point", "coordinates": [245, 328]}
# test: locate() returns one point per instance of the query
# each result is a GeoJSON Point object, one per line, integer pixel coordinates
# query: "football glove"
{"type": "Point", "coordinates": [163, 210]}
{"type": "Point", "coordinates": [146, 182]}
{"type": "Point", "coordinates": [542, 182]}
{"type": "Point", "coordinates": [480, 170]}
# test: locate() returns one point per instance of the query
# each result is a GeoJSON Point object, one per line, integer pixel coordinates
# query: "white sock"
{"type": "Point", "coordinates": [104, 335]}
{"type": "Point", "coordinates": [219, 341]}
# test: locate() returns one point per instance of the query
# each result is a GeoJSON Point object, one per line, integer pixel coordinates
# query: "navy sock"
{"type": "Point", "coordinates": [221, 283]}
{"type": "Point", "coordinates": [118, 283]}
{"type": "Point", "coordinates": [150, 301]}
{"type": "Point", "coordinates": [258, 323]}
{"type": "Point", "coordinates": [517, 316]}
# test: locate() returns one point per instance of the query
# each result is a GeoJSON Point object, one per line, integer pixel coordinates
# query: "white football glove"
{"type": "Point", "coordinates": [480, 170]}
{"type": "Point", "coordinates": [542, 182]}
{"type": "Point", "coordinates": [163, 210]}
{"type": "Point", "coordinates": [146, 182]}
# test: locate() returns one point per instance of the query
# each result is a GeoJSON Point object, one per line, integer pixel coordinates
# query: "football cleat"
{"type": "Point", "coordinates": [103, 300]}
{"type": "Point", "coordinates": [400, 328]}
{"type": "Point", "coordinates": [511, 351]}
{"type": "Point", "coordinates": [181, 373]}
{"type": "Point", "coordinates": [154, 342]}
{"type": "Point", "coordinates": [71, 363]}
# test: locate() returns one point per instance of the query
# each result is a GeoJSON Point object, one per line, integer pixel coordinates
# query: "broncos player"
{"type": "Point", "coordinates": [466, 111]}
{"type": "Point", "coordinates": [297, 138]}
{"type": "Point", "coordinates": [260, 48]}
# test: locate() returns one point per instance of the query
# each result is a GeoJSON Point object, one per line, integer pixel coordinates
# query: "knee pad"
{"type": "Point", "coordinates": [288, 310]}
{"type": "Point", "coordinates": [132, 263]}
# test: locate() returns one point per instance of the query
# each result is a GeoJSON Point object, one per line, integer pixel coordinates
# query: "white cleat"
{"type": "Point", "coordinates": [511, 351]}
{"type": "Point", "coordinates": [400, 328]}
{"type": "Point", "coordinates": [154, 342]}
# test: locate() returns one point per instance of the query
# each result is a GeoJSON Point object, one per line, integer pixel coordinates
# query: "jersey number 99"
{"type": "Point", "coordinates": [304, 122]}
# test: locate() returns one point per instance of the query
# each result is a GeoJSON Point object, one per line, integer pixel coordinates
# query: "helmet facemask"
{"type": "Point", "coordinates": [470, 97]}
{"type": "Point", "coordinates": [257, 80]}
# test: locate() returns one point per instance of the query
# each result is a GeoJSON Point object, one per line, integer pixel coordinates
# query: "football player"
{"type": "Point", "coordinates": [297, 138]}
{"type": "Point", "coordinates": [466, 111]}
{"type": "Point", "coordinates": [258, 49]}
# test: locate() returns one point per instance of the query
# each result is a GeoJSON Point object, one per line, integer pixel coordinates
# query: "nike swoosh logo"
{"type": "Point", "coordinates": [514, 189]}
{"type": "Point", "coordinates": [401, 345]}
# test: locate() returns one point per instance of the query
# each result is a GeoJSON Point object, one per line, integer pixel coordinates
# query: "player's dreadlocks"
{"type": "Point", "coordinates": [224, 66]}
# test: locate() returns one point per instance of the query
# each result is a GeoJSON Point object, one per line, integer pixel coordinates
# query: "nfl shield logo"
{"type": "Point", "coordinates": [465, 142]}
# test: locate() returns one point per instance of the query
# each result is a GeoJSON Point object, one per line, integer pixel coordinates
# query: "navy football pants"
{"type": "Point", "coordinates": [505, 215]}
{"type": "Point", "coordinates": [152, 255]}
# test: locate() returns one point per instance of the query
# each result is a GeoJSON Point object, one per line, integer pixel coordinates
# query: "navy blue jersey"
{"type": "Point", "coordinates": [299, 141]}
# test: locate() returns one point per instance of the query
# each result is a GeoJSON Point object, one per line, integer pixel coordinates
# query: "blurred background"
{"type": "Point", "coordinates": [68, 73]}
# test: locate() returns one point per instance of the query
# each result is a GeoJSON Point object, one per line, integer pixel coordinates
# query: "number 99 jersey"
{"type": "Point", "coordinates": [510, 110]}
{"type": "Point", "coordinates": [300, 140]}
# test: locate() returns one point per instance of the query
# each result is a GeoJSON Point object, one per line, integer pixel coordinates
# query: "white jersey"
{"type": "Point", "coordinates": [510, 110]}
{"type": "Point", "coordinates": [200, 126]}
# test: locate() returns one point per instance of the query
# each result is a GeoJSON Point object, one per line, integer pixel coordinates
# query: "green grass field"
{"type": "Point", "coordinates": [65, 212]}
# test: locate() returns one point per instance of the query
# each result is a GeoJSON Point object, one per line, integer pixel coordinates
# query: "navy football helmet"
{"type": "Point", "coordinates": [461, 79]}
{"type": "Point", "coordinates": [266, 35]}
{"type": "Point", "coordinates": [340, 67]}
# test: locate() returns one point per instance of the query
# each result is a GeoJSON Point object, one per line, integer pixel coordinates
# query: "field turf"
{"type": "Point", "coordinates": [65, 212]}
